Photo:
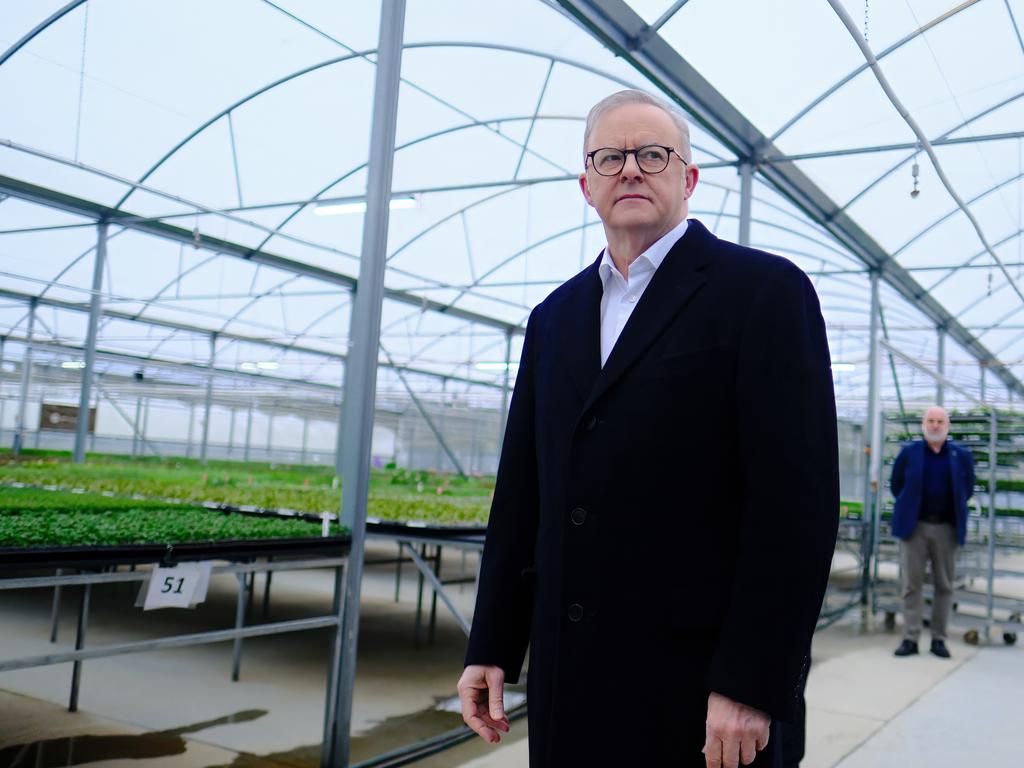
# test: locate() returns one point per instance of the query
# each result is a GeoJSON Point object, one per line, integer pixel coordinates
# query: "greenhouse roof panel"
{"type": "Point", "coordinates": [244, 144]}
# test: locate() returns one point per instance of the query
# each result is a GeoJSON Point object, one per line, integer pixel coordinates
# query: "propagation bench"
{"type": "Point", "coordinates": [99, 565]}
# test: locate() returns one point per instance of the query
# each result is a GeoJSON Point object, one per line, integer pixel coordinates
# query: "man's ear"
{"type": "Point", "coordinates": [585, 189]}
{"type": "Point", "coordinates": [692, 174]}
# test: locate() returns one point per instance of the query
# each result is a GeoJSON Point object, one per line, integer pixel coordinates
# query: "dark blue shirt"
{"type": "Point", "coordinates": [937, 488]}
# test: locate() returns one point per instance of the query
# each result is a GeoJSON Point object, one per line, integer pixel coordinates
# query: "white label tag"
{"type": "Point", "coordinates": [181, 586]}
{"type": "Point", "coordinates": [199, 595]}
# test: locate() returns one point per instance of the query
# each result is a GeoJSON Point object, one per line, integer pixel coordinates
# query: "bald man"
{"type": "Point", "coordinates": [932, 480]}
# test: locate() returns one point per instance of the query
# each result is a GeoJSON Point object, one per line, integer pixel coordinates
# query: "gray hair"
{"type": "Point", "coordinates": [624, 98]}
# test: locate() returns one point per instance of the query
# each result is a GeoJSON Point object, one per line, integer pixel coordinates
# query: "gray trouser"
{"type": "Point", "coordinates": [935, 542]}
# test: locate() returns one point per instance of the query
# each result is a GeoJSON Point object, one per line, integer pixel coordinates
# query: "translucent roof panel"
{"type": "Point", "coordinates": [227, 143]}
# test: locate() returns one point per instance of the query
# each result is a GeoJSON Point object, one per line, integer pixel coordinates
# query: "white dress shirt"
{"type": "Point", "coordinates": [621, 294]}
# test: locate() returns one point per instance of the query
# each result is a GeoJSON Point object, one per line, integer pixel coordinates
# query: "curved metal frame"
{"type": "Point", "coordinates": [552, 59]}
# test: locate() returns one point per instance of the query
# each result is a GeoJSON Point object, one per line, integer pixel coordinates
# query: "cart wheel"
{"type": "Point", "coordinates": [1009, 638]}
{"type": "Point", "coordinates": [890, 620]}
{"type": "Point", "coordinates": [971, 637]}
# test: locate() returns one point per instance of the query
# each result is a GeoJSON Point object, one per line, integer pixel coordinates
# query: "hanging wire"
{"type": "Point", "coordinates": [81, 81]}
{"type": "Point", "coordinates": [866, 20]}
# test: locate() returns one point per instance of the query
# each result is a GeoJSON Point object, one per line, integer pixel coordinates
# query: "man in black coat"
{"type": "Point", "coordinates": [666, 503]}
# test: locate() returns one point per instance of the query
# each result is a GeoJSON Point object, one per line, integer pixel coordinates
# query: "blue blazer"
{"type": "Point", "coordinates": [908, 476]}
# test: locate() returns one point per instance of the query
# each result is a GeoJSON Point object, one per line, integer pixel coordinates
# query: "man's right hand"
{"type": "Point", "coordinates": [481, 691]}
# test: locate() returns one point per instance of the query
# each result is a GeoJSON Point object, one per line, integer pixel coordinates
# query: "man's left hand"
{"type": "Point", "coordinates": [734, 733]}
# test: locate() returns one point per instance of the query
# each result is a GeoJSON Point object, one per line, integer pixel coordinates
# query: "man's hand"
{"type": "Point", "coordinates": [481, 692]}
{"type": "Point", "coordinates": [735, 733]}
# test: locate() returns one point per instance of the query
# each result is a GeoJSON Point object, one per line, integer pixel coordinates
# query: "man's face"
{"type": "Point", "coordinates": [632, 200]}
{"type": "Point", "coordinates": [935, 425]}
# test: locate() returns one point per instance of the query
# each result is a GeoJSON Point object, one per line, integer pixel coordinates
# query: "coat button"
{"type": "Point", "coordinates": [591, 423]}
{"type": "Point", "coordinates": [578, 516]}
{"type": "Point", "coordinates": [575, 612]}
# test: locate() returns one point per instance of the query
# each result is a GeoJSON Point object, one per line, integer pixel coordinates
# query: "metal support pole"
{"type": "Point", "coordinates": [361, 371]}
{"type": "Point", "coordinates": [270, 433]}
{"type": "Point", "coordinates": [746, 170]}
{"type": "Point", "coordinates": [940, 390]}
{"type": "Point", "coordinates": [248, 434]}
{"type": "Point", "coordinates": [981, 381]}
{"type": "Point", "coordinates": [871, 484]}
{"type": "Point", "coordinates": [191, 429]}
{"type": "Point", "coordinates": [236, 655]}
{"type": "Point", "coordinates": [231, 431]}
{"type": "Point", "coordinates": [474, 444]}
{"type": "Point", "coordinates": [96, 405]}
{"type": "Point", "coordinates": [412, 442]}
{"type": "Point", "coordinates": [305, 439]}
{"type": "Point", "coordinates": [137, 427]}
{"type": "Point", "coordinates": [3, 399]}
{"type": "Point", "coordinates": [505, 390]}
{"type": "Point", "coordinates": [145, 426]}
{"type": "Point", "coordinates": [993, 461]}
{"type": "Point", "coordinates": [55, 610]}
{"type": "Point", "coordinates": [331, 723]}
{"type": "Point", "coordinates": [26, 376]}
{"type": "Point", "coordinates": [37, 435]}
{"type": "Point", "coordinates": [95, 309]}
{"type": "Point", "coordinates": [209, 398]}
{"type": "Point", "coordinates": [83, 621]}
{"type": "Point", "coordinates": [438, 457]}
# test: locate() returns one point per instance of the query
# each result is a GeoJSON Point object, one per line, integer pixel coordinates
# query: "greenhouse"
{"type": "Point", "coordinates": [269, 275]}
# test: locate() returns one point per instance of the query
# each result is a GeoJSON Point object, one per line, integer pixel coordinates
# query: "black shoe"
{"type": "Point", "coordinates": [909, 648]}
{"type": "Point", "coordinates": [939, 649]}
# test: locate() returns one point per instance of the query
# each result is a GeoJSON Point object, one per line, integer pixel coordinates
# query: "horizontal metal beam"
{"type": "Point", "coordinates": [939, 378]}
{"type": "Point", "coordinates": [71, 306]}
{"type": "Point", "coordinates": [362, 198]}
{"type": "Point", "coordinates": [906, 146]}
{"type": "Point", "coordinates": [53, 199]}
{"type": "Point", "coordinates": [180, 641]}
{"type": "Point", "coordinates": [616, 24]}
{"type": "Point", "coordinates": [122, 577]}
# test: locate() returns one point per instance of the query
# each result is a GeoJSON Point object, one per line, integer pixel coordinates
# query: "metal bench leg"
{"type": "Point", "coordinates": [398, 571]}
{"type": "Point", "coordinates": [236, 661]}
{"type": "Point", "coordinates": [433, 600]}
{"type": "Point", "coordinates": [419, 595]}
{"type": "Point", "coordinates": [55, 611]}
{"type": "Point", "coordinates": [83, 621]}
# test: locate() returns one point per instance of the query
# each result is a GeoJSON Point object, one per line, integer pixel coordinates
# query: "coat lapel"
{"type": "Point", "coordinates": [581, 343]}
{"type": "Point", "coordinates": [675, 282]}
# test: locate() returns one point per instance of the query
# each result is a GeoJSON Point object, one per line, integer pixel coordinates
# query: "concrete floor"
{"type": "Point", "coordinates": [178, 709]}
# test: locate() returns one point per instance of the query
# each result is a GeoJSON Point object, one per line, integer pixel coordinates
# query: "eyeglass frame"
{"type": "Point", "coordinates": [625, 156]}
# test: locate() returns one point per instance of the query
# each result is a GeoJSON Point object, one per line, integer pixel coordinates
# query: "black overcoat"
{"type": "Point", "coordinates": [663, 526]}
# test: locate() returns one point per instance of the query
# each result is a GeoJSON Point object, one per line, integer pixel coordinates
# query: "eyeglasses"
{"type": "Point", "coordinates": [650, 158]}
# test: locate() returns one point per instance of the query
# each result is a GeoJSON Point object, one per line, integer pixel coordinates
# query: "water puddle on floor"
{"type": "Point", "coordinates": [385, 736]}
{"type": "Point", "coordinates": [77, 750]}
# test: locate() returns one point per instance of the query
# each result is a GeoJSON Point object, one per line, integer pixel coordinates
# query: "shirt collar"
{"type": "Point", "coordinates": [653, 256]}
